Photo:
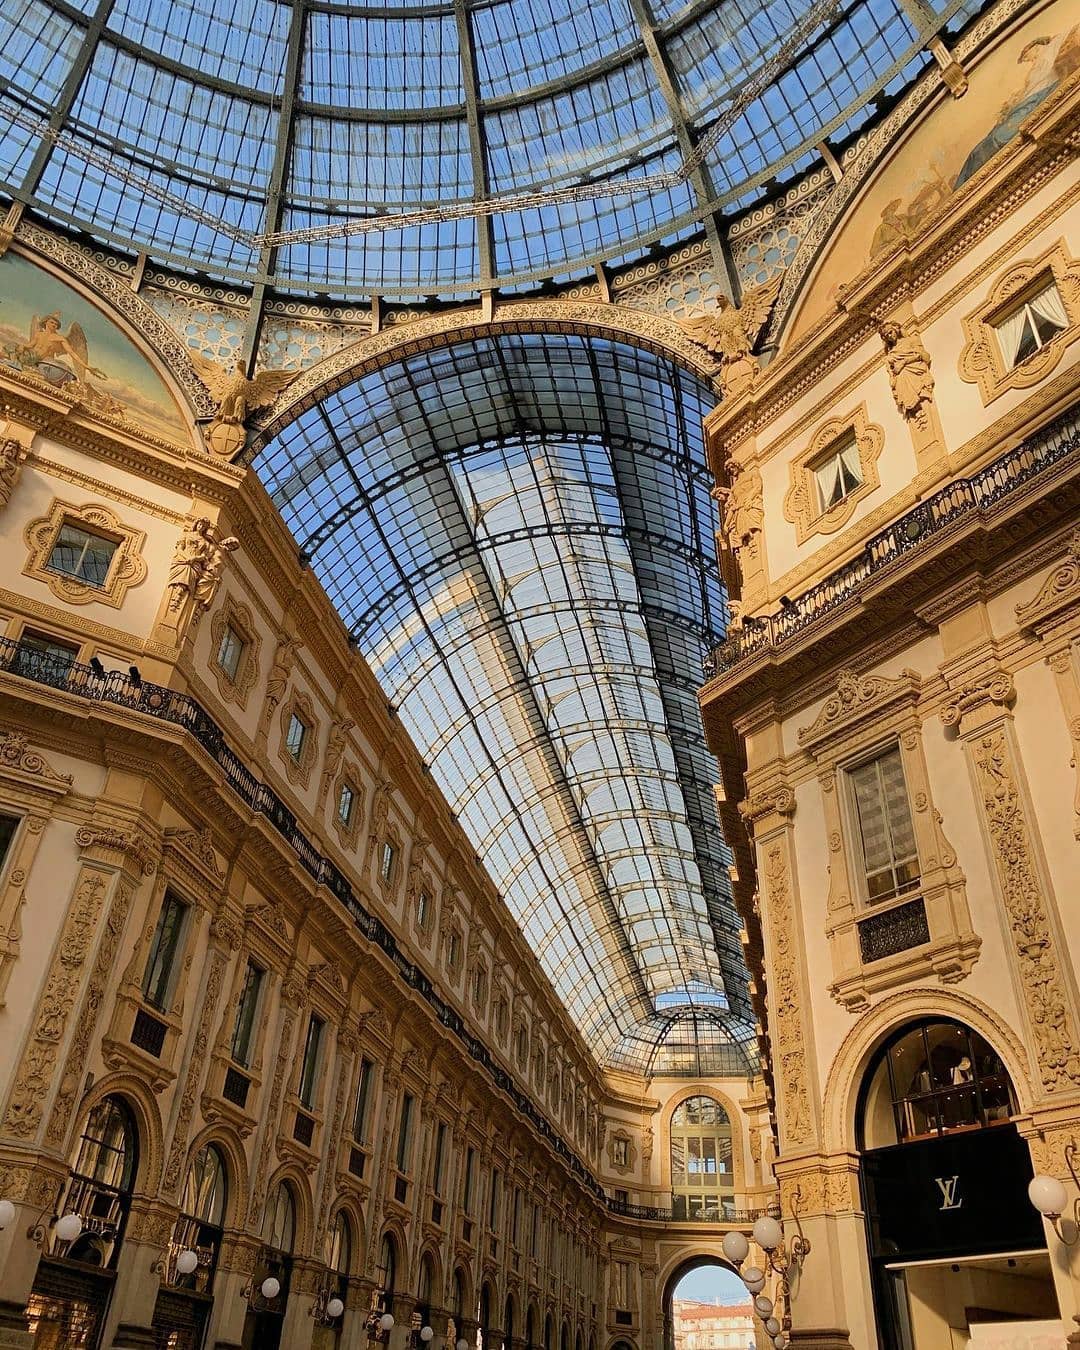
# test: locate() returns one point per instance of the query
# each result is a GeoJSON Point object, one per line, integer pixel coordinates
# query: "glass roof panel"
{"type": "Point", "coordinates": [221, 136]}
{"type": "Point", "coordinates": [519, 534]}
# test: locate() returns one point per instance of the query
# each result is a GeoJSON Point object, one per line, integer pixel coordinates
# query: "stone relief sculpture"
{"type": "Point", "coordinates": [730, 334]}
{"type": "Point", "coordinates": [742, 506]}
{"type": "Point", "coordinates": [908, 364]}
{"type": "Point", "coordinates": [238, 397]}
{"type": "Point", "coordinates": [278, 679]}
{"type": "Point", "coordinates": [12, 454]}
{"type": "Point", "coordinates": [196, 568]}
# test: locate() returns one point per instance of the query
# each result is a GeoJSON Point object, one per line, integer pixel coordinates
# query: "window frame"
{"type": "Point", "coordinates": [234, 640]}
{"type": "Point", "coordinates": [306, 1086]}
{"type": "Point", "coordinates": [868, 903]}
{"type": "Point", "coordinates": [101, 536]}
{"type": "Point", "coordinates": [297, 752]}
{"type": "Point", "coordinates": [244, 1059]}
{"type": "Point", "coordinates": [179, 941]}
{"type": "Point", "coordinates": [362, 1099]}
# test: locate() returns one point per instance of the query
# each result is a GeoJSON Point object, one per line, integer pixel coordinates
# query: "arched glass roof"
{"type": "Point", "coordinates": [430, 148]}
{"type": "Point", "coordinates": [518, 532]}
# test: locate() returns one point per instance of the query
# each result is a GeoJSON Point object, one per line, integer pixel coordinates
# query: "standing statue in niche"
{"type": "Point", "coordinates": [908, 364]}
{"type": "Point", "coordinates": [741, 505]}
{"type": "Point", "coordinates": [238, 397]}
{"type": "Point", "coordinates": [278, 680]}
{"type": "Point", "coordinates": [12, 454]}
{"type": "Point", "coordinates": [196, 568]}
{"type": "Point", "coordinates": [730, 334]}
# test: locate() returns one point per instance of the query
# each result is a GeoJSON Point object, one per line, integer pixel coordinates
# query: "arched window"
{"type": "Point", "coordinates": [702, 1181]}
{"type": "Point", "coordinates": [280, 1227]}
{"type": "Point", "coordinates": [199, 1225]}
{"type": "Point", "coordinates": [933, 1078]}
{"type": "Point", "coordinates": [382, 1296]}
{"type": "Point", "coordinates": [425, 1288]}
{"type": "Point", "coordinates": [339, 1245]}
{"type": "Point", "coordinates": [102, 1177]}
{"type": "Point", "coordinates": [530, 1328]}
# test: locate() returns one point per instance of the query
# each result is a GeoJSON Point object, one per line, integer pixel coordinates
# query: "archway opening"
{"type": "Point", "coordinates": [702, 1178]}
{"type": "Point", "coordinates": [953, 1239]}
{"type": "Point", "coordinates": [706, 1307]}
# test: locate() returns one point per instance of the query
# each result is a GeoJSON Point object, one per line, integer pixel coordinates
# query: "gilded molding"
{"type": "Point", "coordinates": [127, 568]}
{"type": "Point", "coordinates": [1049, 1015]}
{"type": "Point", "coordinates": [856, 697]}
{"type": "Point", "coordinates": [71, 1079]}
{"type": "Point", "coordinates": [801, 503]}
{"type": "Point", "coordinates": [996, 688]}
{"type": "Point", "coordinates": [980, 359]}
{"type": "Point", "coordinates": [16, 756]}
{"type": "Point", "coordinates": [37, 1071]}
{"type": "Point", "coordinates": [234, 614]}
{"type": "Point", "coordinates": [1060, 590]}
{"type": "Point", "coordinates": [790, 1041]}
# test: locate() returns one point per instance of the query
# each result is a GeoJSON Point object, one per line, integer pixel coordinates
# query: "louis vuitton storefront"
{"type": "Point", "coordinates": [957, 1252]}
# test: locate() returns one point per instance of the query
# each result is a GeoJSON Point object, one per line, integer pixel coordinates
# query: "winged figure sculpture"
{"type": "Point", "coordinates": [238, 395]}
{"type": "Point", "coordinates": [730, 334]}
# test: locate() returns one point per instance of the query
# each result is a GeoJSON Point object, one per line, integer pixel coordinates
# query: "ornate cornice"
{"type": "Point", "coordinates": [16, 755]}
{"type": "Point", "coordinates": [1059, 591]}
{"type": "Point", "coordinates": [855, 697]}
{"type": "Point", "coordinates": [105, 840]}
{"type": "Point", "coordinates": [996, 688]}
{"type": "Point", "coordinates": [777, 798]}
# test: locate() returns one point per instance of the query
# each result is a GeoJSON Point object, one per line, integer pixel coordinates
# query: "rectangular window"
{"type": "Point", "coordinates": [493, 1200]}
{"type": "Point", "coordinates": [534, 1235]}
{"type": "Point", "coordinates": [42, 657]}
{"type": "Point", "coordinates": [515, 1222]}
{"type": "Point", "coordinates": [310, 1066]}
{"type": "Point", "coordinates": [440, 1151]}
{"type": "Point", "coordinates": [890, 860]}
{"type": "Point", "coordinates": [453, 951]}
{"type": "Point", "coordinates": [8, 826]}
{"type": "Point", "coordinates": [157, 981]}
{"type": "Point", "coordinates": [82, 554]}
{"type": "Point", "coordinates": [345, 802]}
{"type": "Point", "coordinates": [363, 1096]}
{"type": "Point", "coordinates": [467, 1189]}
{"type": "Point", "coordinates": [838, 473]}
{"type": "Point", "coordinates": [296, 736]}
{"type": "Point", "coordinates": [403, 1133]}
{"type": "Point", "coordinates": [230, 650]}
{"type": "Point", "coordinates": [1031, 325]}
{"type": "Point", "coordinates": [423, 909]}
{"type": "Point", "coordinates": [387, 860]}
{"type": "Point", "coordinates": [244, 1029]}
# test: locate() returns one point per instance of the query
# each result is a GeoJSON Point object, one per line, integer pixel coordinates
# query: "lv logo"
{"type": "Point", "coordinates": [949, 1186]}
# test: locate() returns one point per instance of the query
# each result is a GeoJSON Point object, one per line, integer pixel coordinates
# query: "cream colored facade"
{"type": "Point", "coordinates": [933, 608]}
{"type": "Point", "coordinates": [123, 796]}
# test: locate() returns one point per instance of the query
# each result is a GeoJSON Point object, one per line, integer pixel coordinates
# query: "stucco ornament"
{"type": "Point", "coordinates": [742, 506]}
{"type": "Point", "coordinates": [197, 565]}
{"type": "Point", "coordinates": [730, 334]}
{"type": "Point", "coordinates": [908, 364]}
{"type": "Point", "coordinates": [12, 454]}
{"type": "Point", "coordinates": [238, 397]}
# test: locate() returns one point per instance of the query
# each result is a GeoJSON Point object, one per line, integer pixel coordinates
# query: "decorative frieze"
{"type": "Point", "coordinates": [36, 1074]}
{"type": "Point", "coordinates": [791, 1063]}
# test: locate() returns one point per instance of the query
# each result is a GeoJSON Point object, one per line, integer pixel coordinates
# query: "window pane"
{"type": "Point", "coordinates": [311, 1060]}
{"type": "Point", "coordinates": [363, 1091]}
{"type": "Point", "coordinates": [230, 651]}
{"type": "Point", "coordinates": [245, 1014]}
{"type": "Point", "coordinates": [345, 804]}
{"type": "Point", "coordinates": [297, 733]}
{"type": "Point", "coordinates": [78, 553]}
{"type": "Point", "coordinates": [163, 950]}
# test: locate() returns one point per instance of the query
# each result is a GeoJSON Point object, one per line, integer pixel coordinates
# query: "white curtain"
{"type": "Point", "coordinates": [1010, 331]}
{"type": "Point", "coordinates": [1047, 305]}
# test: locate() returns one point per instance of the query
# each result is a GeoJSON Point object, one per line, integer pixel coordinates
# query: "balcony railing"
{"type": "Point", "coordinates": [679, 1213]}
{"type": "Point", "coordinates": [928, 520]}
{"type": "Point", "coordinates": [121, 690]}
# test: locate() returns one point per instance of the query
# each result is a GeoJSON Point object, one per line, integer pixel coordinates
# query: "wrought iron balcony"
{"type": "Point", "coordinates": [679, 1212]}
{"type": "Point", "coordinates": [931, 519]}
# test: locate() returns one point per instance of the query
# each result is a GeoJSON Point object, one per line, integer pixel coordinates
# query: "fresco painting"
{"type": "Point", "coordinates": [948, 150]}
{"type": "Point", "coordinates": [48, 329]}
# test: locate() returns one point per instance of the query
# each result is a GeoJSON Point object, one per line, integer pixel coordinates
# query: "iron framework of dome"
{"type": "Point", "coordinates": [423, 149]}
{"type": "Point", "coordinates": [518, 533]}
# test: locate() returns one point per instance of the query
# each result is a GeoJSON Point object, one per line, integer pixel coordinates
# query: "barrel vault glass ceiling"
{"type": "Point", "coordinates": [518, 533]}
{"type": "Point", "coordinates": [411, 149]}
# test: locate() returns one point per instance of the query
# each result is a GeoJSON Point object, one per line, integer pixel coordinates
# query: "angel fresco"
{"type": "Point", "coordinates": [730, 334]}
{"type": "Point", "coordinates": [238, 397]}
{"type": "Point", "coordinates": [56, 355]}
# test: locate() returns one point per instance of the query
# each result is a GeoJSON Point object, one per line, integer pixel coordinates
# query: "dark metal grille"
{"type": "Point", "coordinates": [357, 1159]}
{"type": "Point", "coordinates": [893, 930]}
{"type": "Point", "coordinates": [303, 1129]}
{"type": "Point", "coordinates": [148, 1033]}
{"type": "Point", "coordinates": [235, 1088]}
{"type": "Point", "coordinates": [623, 1317]}
{"type": "Point", "coordinates": [401, 1189]}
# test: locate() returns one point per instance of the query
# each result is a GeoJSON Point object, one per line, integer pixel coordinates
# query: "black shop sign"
{"type": "Point", "coordinates": [964, 1194]}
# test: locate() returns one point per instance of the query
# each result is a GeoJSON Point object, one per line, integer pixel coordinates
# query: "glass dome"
{"type": "Point", "coordinates": [430, 149]}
